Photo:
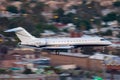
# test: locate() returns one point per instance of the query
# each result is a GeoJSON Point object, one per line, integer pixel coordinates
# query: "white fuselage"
{"type": "Point", "coordinates": [29, 40]}
{"type": "Point", "coordinates": [66, 41]}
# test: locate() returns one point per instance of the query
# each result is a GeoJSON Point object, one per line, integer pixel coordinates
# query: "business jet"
{"type": "Point", "coordinates": [28, 40]}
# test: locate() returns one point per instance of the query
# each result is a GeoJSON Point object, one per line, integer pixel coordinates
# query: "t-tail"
{"type": "Point", "coordinates": [22, 34]}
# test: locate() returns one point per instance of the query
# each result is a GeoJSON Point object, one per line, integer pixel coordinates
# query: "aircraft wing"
{"type": "Point", "coordinates": [48, 47]}
{"type": "Point", "coordinates": [58, 47]}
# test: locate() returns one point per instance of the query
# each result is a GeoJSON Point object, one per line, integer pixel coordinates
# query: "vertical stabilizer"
{"type": "Point", "coordinates": [22, 34]}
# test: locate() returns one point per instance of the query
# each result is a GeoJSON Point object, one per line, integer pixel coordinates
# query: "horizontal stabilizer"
{"type": "Point", "coordinates": [14, 29]}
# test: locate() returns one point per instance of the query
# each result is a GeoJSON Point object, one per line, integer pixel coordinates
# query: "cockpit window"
{"type": "Point", "coordinates": [103, 39]}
